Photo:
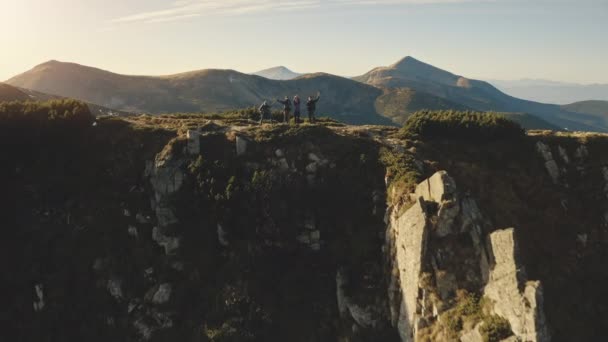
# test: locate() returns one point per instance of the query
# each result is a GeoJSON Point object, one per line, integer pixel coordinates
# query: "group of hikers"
{"type": "Point", "coordinates": [311, 107]}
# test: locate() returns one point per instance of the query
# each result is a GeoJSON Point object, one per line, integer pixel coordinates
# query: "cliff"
{"type": "Point", "coordinates": [199, 229]}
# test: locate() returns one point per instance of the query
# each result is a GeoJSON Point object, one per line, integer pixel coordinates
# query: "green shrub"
{"type": "Point", "coordinates": [45, 113]}
{"type": "Point", "coordinates": [44, 123]}
{"type": "Point", "coordinates": [468, 126]}
{"type": "Point", "coordinates": [495, 328]}
{"type": "Point", "coordinates": [401, 169]}
{"type": "Point", "coordinates": [467, 308]}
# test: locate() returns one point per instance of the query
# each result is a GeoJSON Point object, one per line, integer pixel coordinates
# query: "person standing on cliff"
{"type": "Point", "coordinates": [286, 108]}
{"type": "Point", "coordinates": [311, 105]}
{"type": "Point", "coordinates": [265, 112]}
{"type": "Point", "coordinates": [296, 109]}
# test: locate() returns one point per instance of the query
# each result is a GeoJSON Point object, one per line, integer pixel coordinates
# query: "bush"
{"type": "Point", "coordinates": [468, 126]}
{"type": "Point", "coordinates": [45, 113]}
{"type": "Point", "coordinates": [495, 328]}
{"type": "Point", "coordinates": [36, 123]}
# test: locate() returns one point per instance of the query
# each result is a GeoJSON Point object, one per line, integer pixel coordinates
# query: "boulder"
{"type": "Point", "coordinates": [441, 189]}
{"type": "Point", "coordinates": [438, 188]}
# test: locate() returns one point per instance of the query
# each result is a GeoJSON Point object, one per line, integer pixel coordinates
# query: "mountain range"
{"type": "Point", "coordinates": [384, 95]}
{"type": "Point", "coordinates": [552, 92]}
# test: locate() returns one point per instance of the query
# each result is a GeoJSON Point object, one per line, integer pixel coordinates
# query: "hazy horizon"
{"type": "Point", "coordinates": [489, 40]}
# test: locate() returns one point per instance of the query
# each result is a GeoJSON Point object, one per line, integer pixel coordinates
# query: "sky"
{"type": "Point", "coordinates": [562, 40]}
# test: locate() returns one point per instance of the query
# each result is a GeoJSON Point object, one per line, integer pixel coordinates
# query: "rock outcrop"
{"type": "Point", "coordinates": [550, 165]}
{"type": "Point", "coordinates": [522, 308]}
{"type": "Point", "coordinates": [407, 235]}
{"type": "Point", "coordinates": [424, 242]}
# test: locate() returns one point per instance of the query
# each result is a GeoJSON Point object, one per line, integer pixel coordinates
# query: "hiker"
{"type": "Point", "coordinates": [286, 108]}
{"type": "Point", "coordinates": [311, 105]}
{"type": "Point", "coordinates": [296, 109]}
{"type": "Point", "coordinates": [265, 112]}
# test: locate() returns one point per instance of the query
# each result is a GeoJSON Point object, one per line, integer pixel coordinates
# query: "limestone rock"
{"type": "Point", "coordinates": [313, 157]}
{"type": "Point", "coordinates": [347, 307]}
{"type": "Point", "coordinates": [581, 152]}
{"type": "Point", "coordinates": [114, 286]}
{"type": "Point", "coordinates": [563, 154]}
{"type": "Point", "coordinates": [472, 336]}
{"type": "Point", "coordinates": [605, 174]}
{"type": "Point", "coordinates": [523, 310]}
{"type": "Point", "coordinates": [441, 188]}
{"type": "Point", "coordinates": [550, 164]}
{"type": "Point", "coordinates": [410, 232]}
{"type": "Point", "coordinates": [39, 302]}
{"type": "Point", "coordinates": [311, 168]}
{"type": "Point", "coordinates": [170, 243]}
{"type": "Point", "coordinates": [194, 142]}
{"type": "Point", "coordinates": [241, 145]}
{"type": "Point", "coordinates": [438, 188]}
{"type": "Point", "coordinates": [222, 236]}
{"type": "Point", "coordinates": [283, 164]}
{"type": "Point", "coordinates": [140, 218]}
{"type": "Point", "coordinates": [133, 231]}
{"type": "Point", "coordinates": [163, 294]}
{"type": "Point", "coordinates": [279, 153]}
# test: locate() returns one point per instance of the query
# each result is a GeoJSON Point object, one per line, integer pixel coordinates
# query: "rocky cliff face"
{"type": "Point", "coordinates": [178, 228]}
{"type": "Point", "coordinates": [437, 249]}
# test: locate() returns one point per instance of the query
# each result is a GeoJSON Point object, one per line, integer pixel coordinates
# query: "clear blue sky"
{"type": "Point", "coordinates": [564, 40]}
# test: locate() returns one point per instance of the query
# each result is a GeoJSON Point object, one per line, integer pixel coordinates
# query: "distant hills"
{"type": "Point", "coordinates": [384, 95]}
{"type": "Point", "coordinates": [598, 109]}
{"type": "Point", "coordinates": [10, 93]}
{"type": "Point", "coordinates": [473, 94]}
{"type": "Point", "coordinates": [279, 73]}
{"type": "Point", "coordinates": [209, 90]}
{"type": "Point", "coordinates": [552, 92]}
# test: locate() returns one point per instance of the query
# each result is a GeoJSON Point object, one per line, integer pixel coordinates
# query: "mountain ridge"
{"type": "Point", "coordinates": [355, 100]}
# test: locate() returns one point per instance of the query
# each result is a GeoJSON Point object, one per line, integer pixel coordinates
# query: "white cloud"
{"type": "Point", "coordinates": [186, 9]}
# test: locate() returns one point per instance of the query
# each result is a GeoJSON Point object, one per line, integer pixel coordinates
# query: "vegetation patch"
{"type": "Point", "coordinates": [466, 126]}
{"type": "Point", "coordinates": [495, 329]}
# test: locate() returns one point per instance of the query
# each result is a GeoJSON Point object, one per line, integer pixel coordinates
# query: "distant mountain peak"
{"type": "Point", "coordinates": [278, 73]}
{"type": "Point", "coordinates": [407, 62]}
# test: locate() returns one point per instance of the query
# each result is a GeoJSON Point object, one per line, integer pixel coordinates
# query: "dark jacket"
{"type": "Point", "coordinates": [265, 109]}
{"type": "Point", "coordinates": [286, 104]}
{"type": "Point", "coordinates": [296, 105]}
{"type": "Point", "coordinates": [311, 104]}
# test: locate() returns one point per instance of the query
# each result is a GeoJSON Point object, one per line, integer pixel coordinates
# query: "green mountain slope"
{"type": "Point", "coordinates": [399, 103]}
{"type": "Point", "coordinates": [598, 110]}
{"type": "Point", "coordinates": [474, 94]}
